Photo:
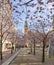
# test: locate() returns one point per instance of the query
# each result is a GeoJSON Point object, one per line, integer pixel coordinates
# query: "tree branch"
{"type": "Point", "coordinates": [27, 2]}
{"type": "Point", "coordinates": [7, 29]}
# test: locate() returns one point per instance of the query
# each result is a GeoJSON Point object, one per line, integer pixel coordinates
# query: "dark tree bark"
{"type": "Point", "coordinates": [34, 46]}
{"type": "Point", "coordinates": [43, 53]}
{"type": "Point", "coordinates": [1, 43]}
{"type": "Point", "coordinates": [31, 48]}
{"type": "Point", "coordinates": [12, 48]}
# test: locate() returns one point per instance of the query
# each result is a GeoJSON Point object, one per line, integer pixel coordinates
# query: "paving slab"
{"type": "Point", "coordinates": [29, 59]}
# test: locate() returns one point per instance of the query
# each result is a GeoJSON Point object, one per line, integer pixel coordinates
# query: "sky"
{"type": "Point", "coordinates": [19, 12]}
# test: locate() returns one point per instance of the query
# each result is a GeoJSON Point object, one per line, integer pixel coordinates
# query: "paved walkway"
{"type": "Point", "coordinates": [8, 61]}
{"type": "Point", "coordinates": [6, 55]}
{"type": "Point", "coordinates": [24, 58]}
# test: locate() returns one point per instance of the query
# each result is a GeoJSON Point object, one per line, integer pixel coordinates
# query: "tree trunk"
{"type": "Point", "coordinates": [0, 50]}
{"type": "Point", "coordinates": [43, 53]}
{"type": "Point", "coordinates": [34, 47]}
{"type": "Point", "coordinates": [1, 43]}
{"type": "Point", "coordinates": [31, 48]}
{"type": "Point", "coordinates": [12, 49]}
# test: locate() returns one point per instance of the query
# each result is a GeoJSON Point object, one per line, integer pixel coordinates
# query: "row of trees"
{"type": "Point", "coordinates": [40, 18]}
{"type": "Point", "coordinates": [8, 30]}
{"type": "Point", "coordinates": [38, 33]}
{"type": "Point", "coordinates": [5, 24]}
{"type": "Point", "coordinates": [41, 22]}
